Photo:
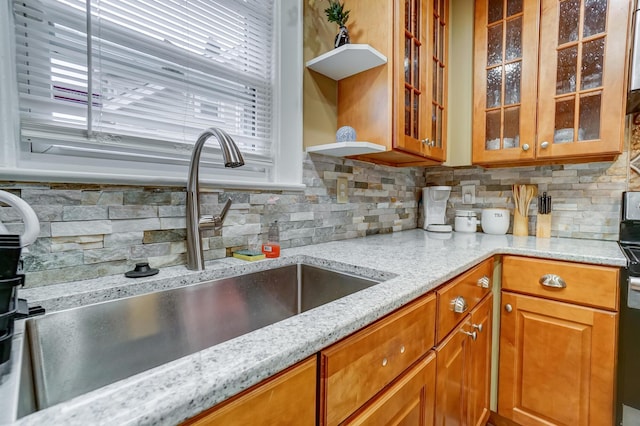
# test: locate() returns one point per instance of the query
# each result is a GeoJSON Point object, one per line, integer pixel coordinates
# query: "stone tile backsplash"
{"type": "Point", "coordinates": [586, 197]}
{"type": "Point", "coordinates": [88, 231]}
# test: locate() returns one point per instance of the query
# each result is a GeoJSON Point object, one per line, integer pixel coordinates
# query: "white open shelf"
{"type": "Point", "coordinates": [347, 60]}
{"type": "Point", "coordinates": [344, 149]}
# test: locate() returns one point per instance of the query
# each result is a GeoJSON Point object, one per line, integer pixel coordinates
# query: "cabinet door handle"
{"type": "Point", "coordinates": [484, 282]}
{"type": "Point", "coordinates": [508, 307]}
{"type": "Point", "coordinates": [552, 281]}
{"type": "Point", "coordinates": [459, 305]}
{"type": "Point", "coordinates": [471, 334]}
{"type": "Point", "coordinates": [525, 147]}
{"type": "Point", "coordinates": [544, 145]}
{"type": "Point", "coordinates": [477, 327]}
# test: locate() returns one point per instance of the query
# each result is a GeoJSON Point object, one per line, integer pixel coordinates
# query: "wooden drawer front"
{"type": "Point", "coordinates": [591, 285]}
{"type": "Point", "coordinates": [469, 287]}
{"type": "Point", "coordinates": [356, 368]}
{"type": "Point", "coordinates": [289, 398]}
{"type": "Point", "coordinates": [410, 400]}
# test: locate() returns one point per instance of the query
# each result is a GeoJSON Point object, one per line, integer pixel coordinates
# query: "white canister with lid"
{"type": "Point", "coordinates": [495, 221]}
{"type": "Point", "coordinates": [466, 221]}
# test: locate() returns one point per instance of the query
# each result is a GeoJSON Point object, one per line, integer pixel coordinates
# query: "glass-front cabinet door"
{"type": "Point", "coordinates": [505, 77]}
{"type": "Point", "coordinates": [581, 88]}
{"type": "Point", "coordinates": [421, 86]}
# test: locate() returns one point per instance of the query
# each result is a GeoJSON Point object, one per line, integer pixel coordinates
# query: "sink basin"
{"type": "Point", "coordinates": [79, 350]}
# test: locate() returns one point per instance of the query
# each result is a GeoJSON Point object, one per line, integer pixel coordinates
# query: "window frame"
{"type": "Point", "coordinates": [287, 125]}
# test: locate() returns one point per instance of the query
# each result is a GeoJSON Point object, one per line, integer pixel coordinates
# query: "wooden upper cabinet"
{"type": "Point", "coordinates": [402, 104]}
{"type": "Point", "coordinates": [582, 69]}
{"type": "Point", "coordinates": [549, 80]}
{"type": "Point", "coordinates": [505, 75]}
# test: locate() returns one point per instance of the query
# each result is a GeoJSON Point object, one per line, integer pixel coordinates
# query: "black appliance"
{"type": "Point", "coordinates": [9, 281]}
{"type": "Point", "coordinates": [628, 389]}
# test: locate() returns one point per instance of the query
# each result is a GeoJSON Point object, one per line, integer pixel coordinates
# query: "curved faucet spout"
{"type": "Point", "coordinates": [232, 158]}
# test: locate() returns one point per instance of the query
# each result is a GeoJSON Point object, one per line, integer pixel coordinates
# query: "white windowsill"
{"type": "Point", "coordinates": [31, 175]}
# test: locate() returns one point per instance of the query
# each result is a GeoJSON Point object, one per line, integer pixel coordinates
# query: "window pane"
{"type": "Point", "coordinates": [407, 15]}
{"type": "Point", "coordinates": [440, 136]}
{"type": "Point", "coordinates": [493, 131]}
{"type": "Point", "coordinates": [416, 66]}
{"type": "Point", "coordinates": [512, 127]}
{"type": "Point", "coordinates": [565, 117]}
{"type": "Point", "coordinates": [589, 128]}
{"type": "Point", "coordinates": [407, 112]}
{"type": "Point", "coordinates": [514, 39]}
{"type": "Point", "coordinates": [407, 59]}
{"type": "Point", "coordinates": [567, 69]}
{"type": "Point", "coordinates": [512, 83]}
{"type": "Point", "coordinates": [434, 121]}
{"type": "Point", "coordinates": [440, 98]}
{"type": "Point", "coordinates": [494, 48]}
{"type": "Point", "coordinates": [592, 64]}
{"type": "Point", "coordinates": [569, 20]}
{"type": "Point", "coordinates": [496, 10]}
{"type": "Point", "coordinates": [595, 15]}
{"type": "Point", "coordinates": [494, 87]}
{"type": "Point", "coordinates": [416, 115]}
{"type": "Point", "coordinates": [513, 7]}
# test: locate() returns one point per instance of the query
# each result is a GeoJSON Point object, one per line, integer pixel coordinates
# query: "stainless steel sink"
{"type": "Point", "coordinates": [76, 351]}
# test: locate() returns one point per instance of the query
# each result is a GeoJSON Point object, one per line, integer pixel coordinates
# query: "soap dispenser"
{"type": "Point", "coordinates": [272, 247]}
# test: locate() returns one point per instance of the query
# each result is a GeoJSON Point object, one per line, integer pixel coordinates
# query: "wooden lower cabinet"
{"type": "Point", "coordinates": [557, 362]}
{"type": "Point", "coordinates": [408, 401]}
{"type": "Point", "coordinates": [288, 398]}
{"type": "Point", "coordinates": [480, 382]}
{"type": "Point", "coordinates": [464, 370]}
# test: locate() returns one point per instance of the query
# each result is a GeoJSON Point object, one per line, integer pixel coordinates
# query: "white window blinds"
{"type": "Point", "coordinates": [141, 79]}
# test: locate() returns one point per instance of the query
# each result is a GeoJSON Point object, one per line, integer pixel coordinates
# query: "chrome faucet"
{"type": "Point", "coordinates": [195, 222]}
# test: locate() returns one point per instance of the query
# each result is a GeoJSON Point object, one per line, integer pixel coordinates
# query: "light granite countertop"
{"type": "Point", "coordinates": [411, 263]}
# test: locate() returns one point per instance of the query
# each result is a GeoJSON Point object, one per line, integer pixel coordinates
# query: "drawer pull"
{"type": "Point", "coordinates": [402, 349]}
{"type": "Point", "coordinates": [484, 282]}
{"type": "Point", "coordinates": [459, 305]}
{"type": "Point", "coordinates": [508, 308]}
{"type": "Point", "coordinates": [552, 281]}
{"type": "Point", "coordinates": [472, 334]}
{"type": "Point", "coordinates": [384, 362]}
{"type": "Point", "coordinates": [477, 327]}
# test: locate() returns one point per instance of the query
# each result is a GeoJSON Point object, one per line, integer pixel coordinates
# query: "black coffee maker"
{"type": "Point", "coordinates": [9, 281]}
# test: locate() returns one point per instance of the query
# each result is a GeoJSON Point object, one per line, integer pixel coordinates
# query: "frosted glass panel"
{"type": "Point", "coordinates": [512, 73]}
{"type": "Point", "coordinates": [494, 87]}
{"type": "Point", "coordinates": [407, 14]}
{"type": "Point", "coordinates": [407, 59]}
{"type": "Point", "coordinates": [565, 117]}
{"type": "Point", "coordinates": [592, 63]}
{"type": "Point", "coordinates": [496, 10]}
{"type": "Point", "coordinates": [595, 14]}
{"type": "Point", "coordinates": [589, 125]}
{"type": "Point", "coordinates": [513, 7]}
{"type": "Point", "coordinates": [415, 28]}
{"type": "Point", "coordinates": [493, 131]}
{"type": "Point", "coordinates": [511, 127]}
{"type": "Point", "coordinates": [407, 112]}
{"type": "Point", "coordinates": [567, 69]}
{"type": "Point", "coordinates": [434, 121]}
{"type": "Point", "coordinates": [494, 47]}
{"type": "Point", "coordinates": [514, 39]}
{"type": "Point", "coordinates": [435, 79]}
{"type": "Point", "coordinates": [416, 115]}
{"type": "Point", "coordinates": [416, 66]}
{"type": "Point", "coordinates": [440, 98]}
{"type": "Point", "coordinates": [441, 43]}
{"type": "Point", "coordinates": [569, 21]}
{"type": "Point", "coordinates": [439, 137]}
